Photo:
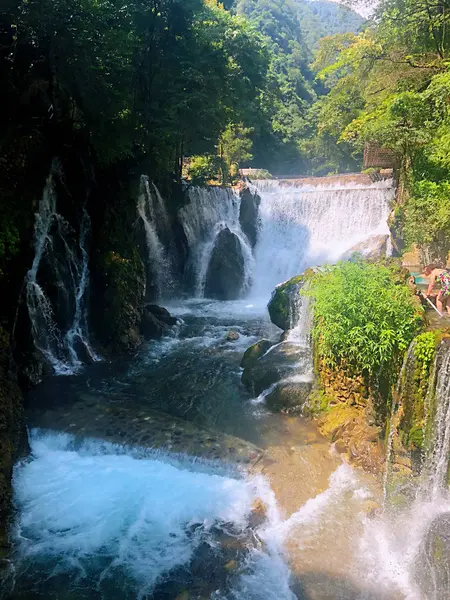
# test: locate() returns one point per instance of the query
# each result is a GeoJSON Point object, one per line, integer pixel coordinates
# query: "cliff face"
{"type": "Point", "coordinates": [13, 438]}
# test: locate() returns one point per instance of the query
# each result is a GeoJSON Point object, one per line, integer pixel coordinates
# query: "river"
{"type": "Point", "coordinates": [160, 477]}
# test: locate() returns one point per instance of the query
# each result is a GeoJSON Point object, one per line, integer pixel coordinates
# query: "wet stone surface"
{"type": "Point", "coordinates": [92, 417]}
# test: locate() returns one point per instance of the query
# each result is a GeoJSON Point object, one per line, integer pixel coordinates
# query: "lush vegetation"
{"type": "Point", "coordinates": [364, 317]}
{"type": "Point", "coordinates": [390, 85]}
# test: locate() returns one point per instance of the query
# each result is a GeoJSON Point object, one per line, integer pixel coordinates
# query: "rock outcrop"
{"type": "Point", "coordinates": [282, 304]}
{"type": "Point", "coordinates": [13, 437]}
{"type": "Point", "coordinates": [254, 353]}
{"type": "Point", "coordinates": [156, 321]}
{"type": "Point", "coordinates": [248, 214]}
{"type": "Point", "coordinates": [225, 274]}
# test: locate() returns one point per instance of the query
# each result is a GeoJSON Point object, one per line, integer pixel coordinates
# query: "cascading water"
{"type": "Point", "coordinates": [209, 211]}
{"type": "Point", "coordinates": [55, 242]}
{"type": "Point", "coordinates": [151, 209]}
{"type": "Point", "coordinates": [94, 519]}
{"type": "Point", "coordinates": [303, 225]}
{"type": "Point", "coordinates": [406, 550]}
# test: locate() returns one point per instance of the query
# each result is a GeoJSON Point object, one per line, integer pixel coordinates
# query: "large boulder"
{"type": "Point", "coordinates": [289, 395]}
{"type": "Point", "coordinates": [283, 361]}
{"type": "Point", "coordinates": [432, 566]}
{"type": "Point", "coordinates": [156, 321]}
{"type": "Point", "coordinates": [254, 353]}
{"type": "Point", "coordinates": [248, 214]}
{"type": "Point", "coordinates": [284, 302]}
{"type": "Point", "coordinates": [225, 274]}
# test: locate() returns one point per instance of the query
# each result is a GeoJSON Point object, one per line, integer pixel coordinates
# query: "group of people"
{"type": "Point", "coordinates": [441, 276]}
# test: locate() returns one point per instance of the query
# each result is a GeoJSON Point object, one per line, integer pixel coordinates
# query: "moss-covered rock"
{"type": "Point", "coordinates": [282, 302]}
{"type": "Point", "coordinates": [123, 301]}
{"type": "Point", "coordinates": [432, 563]}
{"type": "Point", "coordinates": [254, 353]}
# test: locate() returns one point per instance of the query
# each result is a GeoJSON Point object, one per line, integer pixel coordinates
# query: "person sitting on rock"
{"type": "Point", "coordinates": [440, 275]}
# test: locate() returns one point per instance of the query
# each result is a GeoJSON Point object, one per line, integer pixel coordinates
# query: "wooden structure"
{"type": "Point", "coordinates": [377, 157]}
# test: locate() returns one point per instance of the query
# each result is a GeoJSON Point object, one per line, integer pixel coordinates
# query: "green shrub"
{"type": "Point", "coordinates": [427, 214]}
{"type": "Point", "coordinates": [204, 168]}
{"type": "Point", "coordinates": [364, 317]}
{"type": "Point", "coordinates": [425, 350]}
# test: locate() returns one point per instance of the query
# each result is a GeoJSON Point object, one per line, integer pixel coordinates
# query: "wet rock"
{"type": "Point", "coordinates": [373, 248]}
{"type": "Point", "coordinates": [284, 301]}
{"type": "Point", "coordinates": [156, 321]}
{"type": "Point", "coordinates": [433, 572]}
{"type": "Point", "coordinates": [289, 396]}
{"type": "Point", "coordinates": [258, 514]}
{"type": "Point", "coordinates": [254, 352]}
{"type": "Point", "coordinates": [232, 336]}
{"type": "Point", "coordinates": [283, 361]}
{"type": "Point", "coordinates": [225, 274]}
{"type": "Point", "coordinates": [248, 214]}
{"type": "Point", "coordinates": [13, 437]}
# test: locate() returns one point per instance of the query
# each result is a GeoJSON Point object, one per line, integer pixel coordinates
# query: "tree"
{"type": "Point", "coordinates": [235, 146]}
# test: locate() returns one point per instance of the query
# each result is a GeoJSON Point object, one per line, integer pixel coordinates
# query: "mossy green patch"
{"type": "Point", "coordinates": [281, 301]}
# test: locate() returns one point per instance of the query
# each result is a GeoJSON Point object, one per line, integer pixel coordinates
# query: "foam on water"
{"type": "Point", "coordinates": [98, 516]}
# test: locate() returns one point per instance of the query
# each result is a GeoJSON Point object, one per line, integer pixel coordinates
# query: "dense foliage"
{"type": "Point", "coordinates": [288, 140]}
{"type": "Point", "coordinates": [364, 316]}
{"type": "Point", "coordinates": [390, 85]}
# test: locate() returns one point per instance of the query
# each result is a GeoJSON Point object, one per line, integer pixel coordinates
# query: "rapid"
{"type": "Point", "coordinates": [102, 511]}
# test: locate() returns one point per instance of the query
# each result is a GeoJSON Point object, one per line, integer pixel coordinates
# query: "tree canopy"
{"type": "Point", "coordinates": [390, 85]}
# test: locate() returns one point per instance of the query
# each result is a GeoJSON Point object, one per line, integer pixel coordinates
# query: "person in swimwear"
{"type": "Point", "coordinates": [436, 274]}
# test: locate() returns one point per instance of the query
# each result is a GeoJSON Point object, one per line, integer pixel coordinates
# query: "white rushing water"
{"type": "Point", "coordinates": [105, 518]}
{"type": "Point", "coordinates": [152, 211]}
{"type": "Point", "coordinates": [298, 226]}
{"type": "Point", "coordinates": [395, 547]}
{"type": "Point", "coordinates": [208, 212]}
{"type": "Point", "coordinates": [305, 225]}
{"type": "Point", "coordinates": [55, 242]}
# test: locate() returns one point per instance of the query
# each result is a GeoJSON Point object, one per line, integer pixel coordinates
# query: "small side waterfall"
{"type": "Point", "coordinates": [62, 339]}
{"type": "Point", "coordinates": [152, 211]}
{"type": "Point", "coordinates": [210, 211]}
{"type": "Point", "coordinates": [437, 460]}
{"type": "Point", "coordinates": [407, 547]}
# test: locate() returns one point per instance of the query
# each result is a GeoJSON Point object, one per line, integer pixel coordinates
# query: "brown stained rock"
{"type": "Point", "coordinates": [258, 514]}
{"type": "Point", "coordinates": [232, 336]}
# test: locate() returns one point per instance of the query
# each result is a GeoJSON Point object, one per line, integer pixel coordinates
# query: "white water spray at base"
{"type": "Point", "coordinates": [100, 517]}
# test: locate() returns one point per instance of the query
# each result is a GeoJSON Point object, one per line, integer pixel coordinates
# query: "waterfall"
{"type": "Point", "coordinates": [406, 549]}
{"type": "Point", "coordinates": [404, 386]}
{"type": "Point", "coordinates": [209, 211]}
{"type": "Point", "coordinates": [305, 224]}
{"type": "Point", "coordinates": [59, 339]}
{"type": "Point", "coordinates": [436, 464]}
{"type": "Point", "coordinates": [152, 211]}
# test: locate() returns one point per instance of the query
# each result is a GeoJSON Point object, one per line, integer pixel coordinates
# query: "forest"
{"type": "Point", "coordinates": [213, 86]}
